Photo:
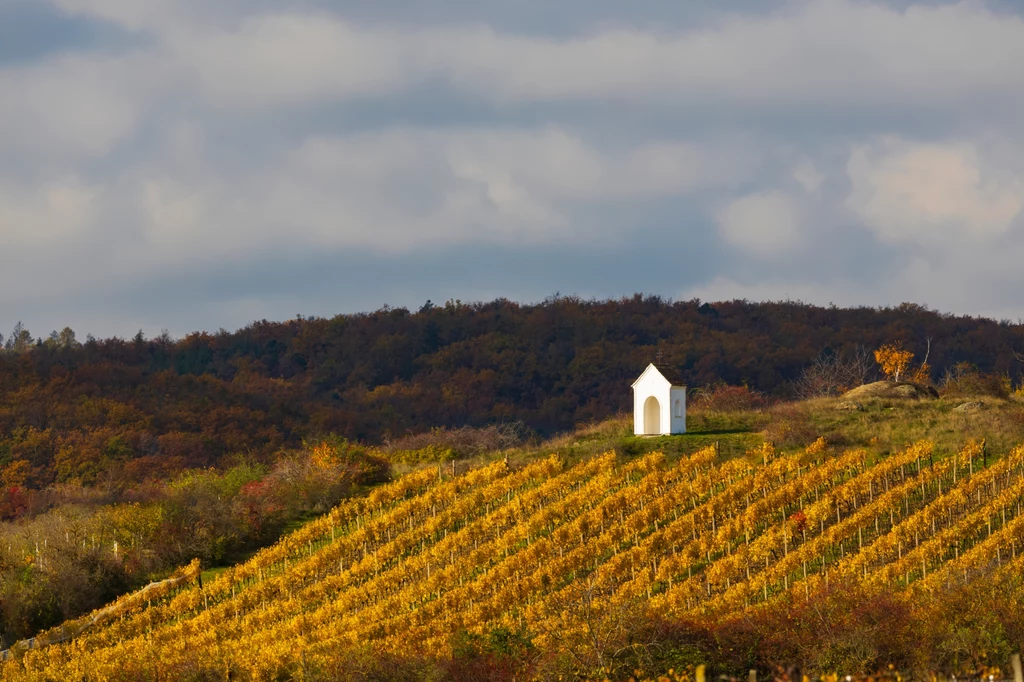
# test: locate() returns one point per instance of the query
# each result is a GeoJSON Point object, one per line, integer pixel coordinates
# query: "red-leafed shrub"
{"type": "Point", "coordinates": [13, 502]}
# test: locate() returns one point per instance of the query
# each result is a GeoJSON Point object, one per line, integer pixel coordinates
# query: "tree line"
{"type": "Point", "coordinates": [114, 409]}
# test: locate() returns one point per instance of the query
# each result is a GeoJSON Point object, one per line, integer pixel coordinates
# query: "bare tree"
{"type": "Point", "coordinates": [957, 375]}
{"type": "Point", "coordinates": [831, 373]}
{"type": "Point", "coordinates": [824, 377]}
{"type": "Point", "coordinates": [860, 366]}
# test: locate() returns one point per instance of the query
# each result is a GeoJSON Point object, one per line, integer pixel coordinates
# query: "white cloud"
{"type": "Point", "coordinates": [828, 54]}
{"type": "Point", "coordinates": [406, 188]}
{"type": "Point", "coordinates": [40, 217]}
{"type": "Point", "coordinates": [931, 192]}
{"type": "Point", "coordinates": [808, 175]}
{"type": "Point", "coordinates": [225, 134]}
{"type": "Point", "coordinates": [70, 107]}
{"type": "Point", "coordinates": [284, 59]}
{"type": "Point", "coordinates": [564, 165]}
{"type": "Point", "coordinates": [765, 223]}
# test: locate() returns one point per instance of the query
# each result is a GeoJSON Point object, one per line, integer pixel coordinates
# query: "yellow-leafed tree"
{"type": "Point", "coordinates": [893, 360]}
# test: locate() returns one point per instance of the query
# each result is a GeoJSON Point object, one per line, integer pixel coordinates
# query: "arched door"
{"type": "Point", "coordinates": [652, 416]}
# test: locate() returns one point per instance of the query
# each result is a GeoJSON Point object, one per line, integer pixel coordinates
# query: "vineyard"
{"type": "Point", "coordinates": [563, 553]}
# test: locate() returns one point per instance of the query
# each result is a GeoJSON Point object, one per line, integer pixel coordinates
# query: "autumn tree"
{"type": "Point", "coordinates": [64, 339]}
{"type": "Point", "coordinates": [893, 360]}
{"type": "Point", "coordinates": [20, 340]}
{"type": "Point", "coordinates": [923, 374]}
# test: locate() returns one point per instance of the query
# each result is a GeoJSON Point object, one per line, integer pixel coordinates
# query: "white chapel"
{"type": "Point", "coordinates": [659, 402]}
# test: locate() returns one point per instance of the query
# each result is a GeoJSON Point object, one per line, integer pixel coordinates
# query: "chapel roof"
{"type": "Point", "coordinates": [672, 374]}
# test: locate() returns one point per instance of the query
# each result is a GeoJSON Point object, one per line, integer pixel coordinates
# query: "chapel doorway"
{"type": "Point", "coordinates": [652, 416]}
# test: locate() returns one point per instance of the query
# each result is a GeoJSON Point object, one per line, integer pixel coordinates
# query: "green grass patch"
{"type": "Point", "coordinates": [880, 426]}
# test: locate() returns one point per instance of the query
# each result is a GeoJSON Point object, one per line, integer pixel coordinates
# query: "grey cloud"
{"type": "Point", "coordinates": [287, 284]}
{"type": "Point", "coordinates": [831, 56]}
{"type": "Point", "coordinates": [828, 55]}
{"type": "Point", "coordinates": [31, 30]}
{"type": "Point", "coordinates": [188, 164]}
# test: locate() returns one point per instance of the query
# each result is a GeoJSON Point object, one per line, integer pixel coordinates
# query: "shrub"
{"type": "Point", "coordinates": [440, 444]}
{"type": "Point", "coordinates": [964, 379]}
{"type": "Point", "coordinates": [725, 398]}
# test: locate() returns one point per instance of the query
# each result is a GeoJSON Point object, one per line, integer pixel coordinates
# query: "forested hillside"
{"type": "Point", "coordinates": [72, 411]}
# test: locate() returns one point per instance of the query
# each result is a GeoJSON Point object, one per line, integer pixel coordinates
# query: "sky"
{"type": "Point", "coordinates": [188, 165]}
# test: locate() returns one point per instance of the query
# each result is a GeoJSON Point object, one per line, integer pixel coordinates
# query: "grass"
{"type": "Point", "coordinates": [886, 425]}
{"type": "Point", "coordinates": [881, 426]}
{"type": "Point", "coordinates": [241, 557]}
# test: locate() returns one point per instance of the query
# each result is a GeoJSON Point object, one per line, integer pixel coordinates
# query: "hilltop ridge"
{"type": "Point", "coordinates": [123, 410]}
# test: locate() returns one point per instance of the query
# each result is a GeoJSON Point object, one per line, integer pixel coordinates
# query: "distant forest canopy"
{"type": "Point", "coordinates": [70, 411]}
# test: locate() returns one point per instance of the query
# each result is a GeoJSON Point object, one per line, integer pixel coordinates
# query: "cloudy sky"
{"type": "Point", "coordinates": [186, 164]}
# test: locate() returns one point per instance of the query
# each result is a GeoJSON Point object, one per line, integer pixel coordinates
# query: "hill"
{"type": "Point", "coordinates": [890, 389]}
{"type": "Point", "coordinates": [120, 410]}
{"type": "Point", "coordinates": [74, 549]}
{"type": "Point", "coordinates": [837, 560]}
